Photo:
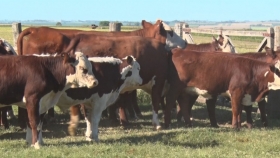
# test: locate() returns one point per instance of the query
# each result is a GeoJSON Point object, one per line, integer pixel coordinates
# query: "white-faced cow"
{"type": "Point", "coordinates": [36, 83]}
{"type": "Point", "coordinates": [149, 53]}
{"type": "Point", "coordinates": [114, 77]}
{"type": "Point", "coordinates": [244, 80]}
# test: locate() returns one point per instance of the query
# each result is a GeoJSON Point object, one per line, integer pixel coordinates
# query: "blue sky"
{"type": "Point", "coordinates": [137, 10]}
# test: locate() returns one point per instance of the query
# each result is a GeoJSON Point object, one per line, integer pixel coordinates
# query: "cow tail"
{"type": "Point", "coordinates": [20, 40]}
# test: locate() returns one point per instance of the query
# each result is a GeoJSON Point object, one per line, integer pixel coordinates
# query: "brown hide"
{"type": "Point", "coordinates": [48, 40]}
{"type": "Point", "coordinates": [203, 70]}
{"type": "Point", "coordinates": [32, 77]}
{"type": "Point", "coordinates": [147, 52]}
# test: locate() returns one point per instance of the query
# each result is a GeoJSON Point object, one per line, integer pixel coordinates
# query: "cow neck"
{"type": "Point", "coordinates": [58, 69]}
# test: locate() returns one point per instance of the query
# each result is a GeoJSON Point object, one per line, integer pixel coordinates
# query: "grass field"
{"type": "Point", "coordinates": [140, 140]}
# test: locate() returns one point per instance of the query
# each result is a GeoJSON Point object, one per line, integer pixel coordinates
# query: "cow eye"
{"type": "Point", "coordinates": [85, 71]}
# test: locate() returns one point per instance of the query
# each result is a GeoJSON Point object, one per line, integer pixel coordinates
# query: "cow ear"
{"type": "Point", "coordinates": [146, 24]}
{"type": "Point", "coordinates": [270, 52]}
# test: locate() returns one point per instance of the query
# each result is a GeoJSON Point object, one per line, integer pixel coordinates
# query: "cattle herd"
{"type": "Point", "coordinates": [92, 71]}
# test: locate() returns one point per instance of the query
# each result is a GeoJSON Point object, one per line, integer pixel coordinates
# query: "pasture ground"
{"type": "Point", "coordinates": [140, 140]}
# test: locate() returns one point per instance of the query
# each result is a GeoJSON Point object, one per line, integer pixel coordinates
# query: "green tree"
{"type": "Point", "coordinates": [104, 23]}
{"type": "Point", "coordinates": [58, 24]}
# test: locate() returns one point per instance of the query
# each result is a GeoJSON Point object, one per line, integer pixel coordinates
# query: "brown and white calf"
{"type": "Point", "coordinates": [36, 83]}
{"type": "Point", "coordinates": [114, 77]}
{"type": "Point", "coordinates": [6, 49]}
{"type": "Point", "coordinates": [244, 80]}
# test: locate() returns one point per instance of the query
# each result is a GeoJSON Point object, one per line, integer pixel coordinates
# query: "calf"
{"type": "Point", "coordinates": [114, 78]}
{"type": "Point", "coordinates": [36, 83]}
{"type": "Point", "coordinates": [6, 49]}
{"type": "Point", "coordinates": [244, 80]}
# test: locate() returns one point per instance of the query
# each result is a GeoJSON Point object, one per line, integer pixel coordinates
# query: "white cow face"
{"type": "Point", "coordinates": [130, 74]}
{"type": "Point", "coordinates": [172, 39]}
{"type": "Point", "coordinates": [227, 44]}
{"type": "Point", "coordinates": [83, 76]}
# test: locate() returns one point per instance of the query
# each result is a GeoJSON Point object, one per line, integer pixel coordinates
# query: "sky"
{"type": "Point", "coordinates": [137, 10]}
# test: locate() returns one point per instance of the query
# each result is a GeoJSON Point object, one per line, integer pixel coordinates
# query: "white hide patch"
{"type": "Point", "coordinates": [265, 74]}
{"type": "Point", "coordinates": [45, 55]}
{"type": "Point", "coordinates": [197, 91]}
{"type": "Point", "coordinates": [105, 60]}
{"type": "Point", "coordinates": [274, 85]}
{"type": "Point", "coordinates": [48, 101]}
{"type": "Point", "coordinates": [133, 81]}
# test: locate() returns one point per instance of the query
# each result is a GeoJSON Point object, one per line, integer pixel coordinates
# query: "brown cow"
{"type": "Point", "coordinates": [269, 57]}
{"type": "Point", "coordinates": [6, 49]}
{"type": "Point", "coordinates": [150, 54]}
{"type": "Point", "coordinates": [36, 83]}
{"type": "Point", "coordinates": [244, 80]}
{"type": "Point", "coordinates": [48, 40]}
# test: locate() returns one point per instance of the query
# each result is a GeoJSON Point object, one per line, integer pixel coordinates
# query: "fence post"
{"type": "Point", "coordinates": [186, 34]}
{"type": "Point", "coordinates": [16, 27]}
{"type": "Point", "coordinates": [268, 40]}
{"type": "Point", "coordinates": [276, 37]}
{"type": "Point", "coordinates": [114, 26]}
{"type": "Point", "coordinates": [273, 100]}
{"type": "Point", "coordinates": [178, 28]}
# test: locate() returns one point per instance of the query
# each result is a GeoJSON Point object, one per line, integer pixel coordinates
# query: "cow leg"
{"type": "Point", "coordinates": [171, 96]}
{"type": "Point", "coordinates": [135, 104]}
{"type": "Point", "coordinates": [236, 107]}
{"type": "Point", "coordinates": [123, 98]}
{"type": "Point", "coordinates": [32, 105]}
{"type": "Point", "coordinates": [10, 112]}
{"type": "Point", "coordinates": [74, 119]}
{"type": "Point", "coordinates": [261, 106]}
{"type": "Point", "coordinates": [28, 137]}
{"type": "Point", "coordinates": [105, 113]}
{"type": "Point", "coordinates": [192, 99]}
{"type": "Point", "coordinates": [96, 115]}
{"type": "Point", "coordinates": [184, 102]}
{"type": "Point", "coordinates": [88, 118]}
{"type": "Point", "coordinates": [51, 115]}
{"type": "Point", "coordinates": [22, 118]}
{"type": "Point", "coordinates": [3, 117]}
{"type": "Point", "coordinates": [211, 104]}
{"type": "Point", "coordinates": [112, 111]}
{"type": "Point", "coordinates": [248, 110]}
{"type": "Point", "coordinates": [156, 97]}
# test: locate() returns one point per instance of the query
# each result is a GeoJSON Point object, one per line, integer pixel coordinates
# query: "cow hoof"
{"type": "Point", "coordinates": [72, 131]}
{"type": "Point", "coordinates": [215, 126]}
{"type": "Point", "coordinates": [36, 145]}
{"type": "Point", "coordinates": [89, 139]}
{"type": "Point", "coordinates": [158, 128]}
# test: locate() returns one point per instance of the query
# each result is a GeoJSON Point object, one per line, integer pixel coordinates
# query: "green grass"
{"type": "Point", "coordinates": [140, 140]}
{"type": "Point", "coordinates": [242, 44]}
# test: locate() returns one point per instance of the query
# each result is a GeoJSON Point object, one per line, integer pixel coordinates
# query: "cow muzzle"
{"type": "Point", "coordinates": [92, 82]}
